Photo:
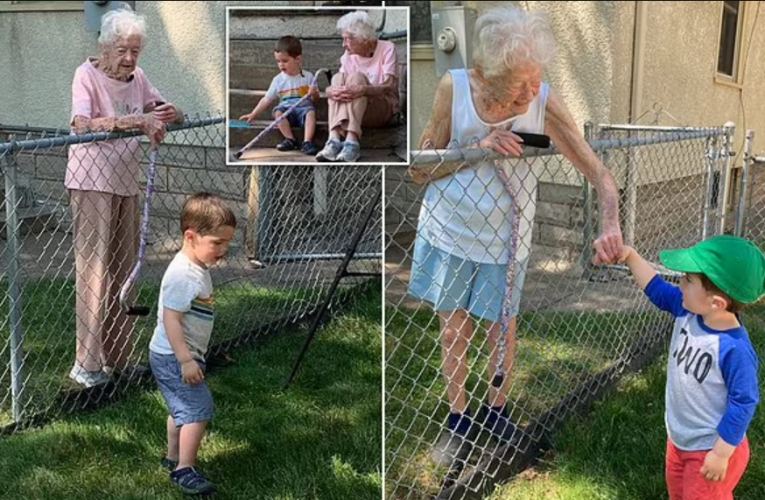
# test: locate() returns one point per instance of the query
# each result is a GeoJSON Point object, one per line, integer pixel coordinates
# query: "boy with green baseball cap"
{"type": "Point", "coordinates": [712, 388]}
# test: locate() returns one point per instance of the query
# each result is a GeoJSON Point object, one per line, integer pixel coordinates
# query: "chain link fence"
{"type": "Point", "coordinates": [579, 327]}
{"type": "Point", "coordinates": [294, 228]}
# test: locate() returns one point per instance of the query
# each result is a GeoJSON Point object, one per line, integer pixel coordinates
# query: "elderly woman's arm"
{"type": "Point", "coordinates": [562, 129]}
{"type": "Point", "coordinates": [438, 132]}
{"type": "Point", "coordinates": [352, 92]}
{"type": "Point", "coordinates": [146, 123]}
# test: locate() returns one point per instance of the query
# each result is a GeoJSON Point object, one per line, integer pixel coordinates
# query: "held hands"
{"type": "Point", "coordinates": [715, 466]}
{"type": "Point", "coordinates": [191, 372]}
{"type": "Point", "coordinates": [609, 248]}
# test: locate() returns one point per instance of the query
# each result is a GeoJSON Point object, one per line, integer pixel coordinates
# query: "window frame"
{"type": "Point", "coordinates": [736, 78]}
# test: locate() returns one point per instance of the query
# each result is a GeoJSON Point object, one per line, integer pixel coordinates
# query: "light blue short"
{"type": "Point", "coordinates": [186, 403]}
{"type": "Point", "coordinates": [450, 283]}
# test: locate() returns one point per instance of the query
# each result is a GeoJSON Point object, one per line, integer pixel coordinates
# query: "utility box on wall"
{"type": "Point", "coordinates": [453, 37]}
{"type": "Point", "coordinates": [94, 11]}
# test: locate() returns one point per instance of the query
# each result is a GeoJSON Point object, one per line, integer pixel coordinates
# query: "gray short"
{"type": "Point", "coordinates": [187, 404]}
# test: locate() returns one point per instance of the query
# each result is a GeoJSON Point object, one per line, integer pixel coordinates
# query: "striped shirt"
{"type": "Point", "coordinates": [186, 288]}
{"type": "Point", "coordinates": [290, 89]}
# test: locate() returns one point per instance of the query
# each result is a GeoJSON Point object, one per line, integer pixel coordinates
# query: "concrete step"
{"type": "Point", "coordinates": [256, 77]}
{"type": "Point", "coordinates": [242, 101]}
{"type": "Point", "coordinates": [383, 138]}
{"type": "Point", "coordinates": [252, 65]}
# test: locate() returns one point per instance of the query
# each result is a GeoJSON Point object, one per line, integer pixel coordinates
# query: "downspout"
{"type": "Point", "coordinates": [638, 57]}
{"type": "Point", "coordinates": [636, 105]}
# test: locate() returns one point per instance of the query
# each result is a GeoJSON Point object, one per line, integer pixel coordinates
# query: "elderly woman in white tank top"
{"type": "Point", "coordinates": [462, 252]}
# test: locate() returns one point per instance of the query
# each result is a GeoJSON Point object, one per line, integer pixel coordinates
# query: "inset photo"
{"type": "Point", "coordinates": [317, 85]}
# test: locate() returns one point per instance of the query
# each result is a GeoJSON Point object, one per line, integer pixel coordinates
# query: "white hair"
{"type": "Point", "coordinates": [508, 36]}
{"type": "Point", "coordinates": [357, 24]}
{"type": "Point", "coordinates": [121, 23]}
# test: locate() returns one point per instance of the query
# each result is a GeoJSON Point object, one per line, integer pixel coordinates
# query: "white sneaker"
{"type": "Point", "coordinates": [330, 151]}
{"type": "Point", "coordinates": [88, 379]}
{"type": "Point", "coordinates": [350, 153]}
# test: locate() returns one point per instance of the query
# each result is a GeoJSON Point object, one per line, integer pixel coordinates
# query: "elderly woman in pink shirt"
{"type": "Point", "coordinates": [109, 93]}
{"type": "Point", "coordinates": [364, 94]}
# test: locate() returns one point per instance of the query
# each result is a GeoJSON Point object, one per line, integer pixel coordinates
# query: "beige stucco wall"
{"type": "Point", "coordinates": [681, 62]}
{"type": "Point", "coordinates": [184, 58]}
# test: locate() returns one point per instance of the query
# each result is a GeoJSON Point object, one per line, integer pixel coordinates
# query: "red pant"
{"type": "Point", "coordinates": [684, 479]}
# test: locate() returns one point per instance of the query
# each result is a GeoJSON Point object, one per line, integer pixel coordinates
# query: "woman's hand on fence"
{"type": "Point", "coordinates": [153, 128]}
{"type": "Point", "coordinates": [191, 372]}
{"type": "Point", "coordinates": [166, 113]}
{"type": "Point", "coordinates": [504, 142]}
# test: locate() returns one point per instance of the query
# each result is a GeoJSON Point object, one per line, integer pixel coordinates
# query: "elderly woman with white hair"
{"type": "Point", "coordinates": [463, 244]}
{"type": "Point", "coordinates": [109, 93]}
{"type": "Point", "coordinates": [364, 93]}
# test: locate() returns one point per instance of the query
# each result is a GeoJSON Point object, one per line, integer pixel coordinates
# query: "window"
{"type": "Point", "coordinates": [730, 40]}
{"type": "Point", "coordinates": [40, 6]}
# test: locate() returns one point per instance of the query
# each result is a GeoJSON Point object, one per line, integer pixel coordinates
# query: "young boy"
{"type": "Point", "coordinates": [712, 388]}
{"type": "Point", "coordinates": [185, 321]}
{"type": "Point", "coordinates": [288, 87]}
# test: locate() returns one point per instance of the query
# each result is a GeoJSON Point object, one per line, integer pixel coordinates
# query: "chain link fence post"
{"type": "Point", "coordinates": [12, 228]}
{"type": "Point", "coordinates": [725, 176]}
{"type": "Point", "coordinates": [588, 231]}
{"type": "Point", "coordinates": [746, 161]}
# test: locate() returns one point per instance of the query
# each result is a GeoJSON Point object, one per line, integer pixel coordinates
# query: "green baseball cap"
{"type": "Point", "coordinates": [735, 265]}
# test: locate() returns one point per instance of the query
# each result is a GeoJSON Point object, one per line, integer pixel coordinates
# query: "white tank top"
{"type": "Point", "coordinates": [467, 214]}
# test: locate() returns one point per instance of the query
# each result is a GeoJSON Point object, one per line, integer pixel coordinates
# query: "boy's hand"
{"type": "Point", "coordinates": [313, 90]}
{"type": "Point", "coordinates": [247, 118]}
{"type": "Point", "coordinates": [191, 373]}
{"type": "Point", "coordinates": [715, 466]}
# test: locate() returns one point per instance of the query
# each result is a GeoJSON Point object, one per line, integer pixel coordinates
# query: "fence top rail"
{"type": "Point", "coordinates": [759, 159]}
{"type": "Point", "coordinates": [470, 155]}
{"type": "Point", "coordinates": [64, 140]}
{"type": "Point", "coordinates": [649, 128]}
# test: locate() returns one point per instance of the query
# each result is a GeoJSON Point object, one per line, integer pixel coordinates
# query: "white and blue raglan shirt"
{"type": "Point", "coordinates": [712, 385]}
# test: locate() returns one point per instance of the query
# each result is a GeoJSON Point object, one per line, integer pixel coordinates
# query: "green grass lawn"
{"type": "Point", "coordinates": [556, 352]}
{"type": "Point", "coordinates": [321, 438]}
{"type": "Point", "coordinates": [49, 331]}
{"type": "Point", "coordinates": [617, 450]}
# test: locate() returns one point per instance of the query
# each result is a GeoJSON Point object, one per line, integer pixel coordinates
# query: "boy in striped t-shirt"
{"type": "Point", "coordinates": [184, 326]}
{"type": "Point", "coordinates": [289, 87]}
